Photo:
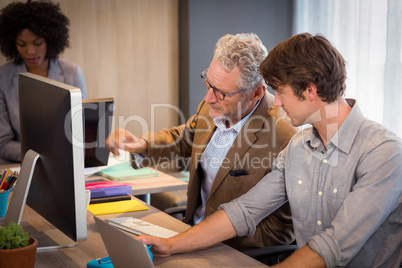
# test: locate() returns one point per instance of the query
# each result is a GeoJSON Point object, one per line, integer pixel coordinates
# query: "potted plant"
{"type": "Point", "coordinates": [17, 249]}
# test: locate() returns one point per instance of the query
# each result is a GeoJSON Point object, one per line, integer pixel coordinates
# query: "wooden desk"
{"type": "Point", "coordinates": [147, 186]}
{"type": "Point", "coordinates": [163, 183]}
{"type": "Point", "coordinates": [219, 255]}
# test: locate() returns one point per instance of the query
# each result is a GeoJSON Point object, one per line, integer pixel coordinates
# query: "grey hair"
{"type": "Point", "coordinates": [246, 51]}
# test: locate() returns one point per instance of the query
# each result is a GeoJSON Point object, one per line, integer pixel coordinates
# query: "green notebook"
{"type": "Point", "coordinates": [124, 171]}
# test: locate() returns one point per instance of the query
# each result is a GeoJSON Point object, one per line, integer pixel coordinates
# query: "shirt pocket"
{"type": "Point", "coordinates": [337, 191]}
{"type": "Point", "coordinates": [298, 190]}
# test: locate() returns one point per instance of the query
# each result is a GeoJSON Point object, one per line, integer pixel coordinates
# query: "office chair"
{"type": "Point", "coordinates": [177, 212]}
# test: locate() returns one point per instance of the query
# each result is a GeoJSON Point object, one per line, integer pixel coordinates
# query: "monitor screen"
{"type": "Point", "coordinates": [51, 125]}
{"type": "Point", "coordinates": [98, 115]}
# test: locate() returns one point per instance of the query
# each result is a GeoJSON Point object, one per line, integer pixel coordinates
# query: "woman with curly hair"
{"type": "Point", "coordinates": [32, 36]}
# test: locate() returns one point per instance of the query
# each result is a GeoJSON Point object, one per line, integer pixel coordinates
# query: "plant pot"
{"type": "Point", "coordinates": [19, 257]}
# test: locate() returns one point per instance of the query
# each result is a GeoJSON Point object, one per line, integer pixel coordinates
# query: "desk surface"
{"type": "Point", "coordinates": [219, 255]}
{"type": "Point", "coordinates": [163, 183]}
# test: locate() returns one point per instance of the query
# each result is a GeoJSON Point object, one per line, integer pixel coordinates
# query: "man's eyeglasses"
{"type": "Point", "coordinates": [219, 94]}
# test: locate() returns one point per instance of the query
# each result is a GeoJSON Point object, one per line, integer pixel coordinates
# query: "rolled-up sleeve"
{"type": "Point", "coordinates": [238, 215]}
{"type": "Point", "coordinates": [327, 247]}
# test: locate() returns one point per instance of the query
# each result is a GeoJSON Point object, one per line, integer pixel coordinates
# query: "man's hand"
{"type": "Point", "coordinates": [160, 246]}
{"type": "Point", "coordinates": [213, 229]}
{"type": "Point", "coordinates": [123, 139]}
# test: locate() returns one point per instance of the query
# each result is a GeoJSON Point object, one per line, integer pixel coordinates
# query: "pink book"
{"type": "Point", "coordinates": [102, 184]}
{"type": "Point", "coordinates": [108, 188]}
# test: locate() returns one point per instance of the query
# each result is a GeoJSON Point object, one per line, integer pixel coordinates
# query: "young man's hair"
{"type": "Point", "coordinates": [303, 60]}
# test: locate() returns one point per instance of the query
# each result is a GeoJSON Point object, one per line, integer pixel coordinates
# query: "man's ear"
{"type": "Point", "coordinates": [259, 92]}
{"type": "Point", "coordinates": [311, 92]}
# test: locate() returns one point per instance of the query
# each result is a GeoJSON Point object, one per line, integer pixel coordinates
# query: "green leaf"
{"type": "Point", "coordinates": [13, 236]}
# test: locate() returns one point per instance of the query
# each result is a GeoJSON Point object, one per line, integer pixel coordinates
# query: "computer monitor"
{"type": "Point", "coordinates": [98, 115]}
{"type": "Point", "coordinates": [51, 125]}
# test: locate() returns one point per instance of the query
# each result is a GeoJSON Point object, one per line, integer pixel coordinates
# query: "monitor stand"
{"type": "Point", "coordinates": [20, 192]}
{"type": "Point", "coordinates": [48, 236]}
{"type": "Point", "coordinates": [19, 197]}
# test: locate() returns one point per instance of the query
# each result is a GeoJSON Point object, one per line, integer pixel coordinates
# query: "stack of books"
{"type": "Point", "coordinates": [109, 197]}
{"type": "Point", "coordinates": [108, 191]}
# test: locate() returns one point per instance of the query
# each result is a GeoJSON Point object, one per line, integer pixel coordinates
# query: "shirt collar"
{"type": "Point", "coordinates": [344, 137]}
{"type": "Point", "coordinates": [221, 123]}
{"type": "Point", "coordinates": [346, 134]}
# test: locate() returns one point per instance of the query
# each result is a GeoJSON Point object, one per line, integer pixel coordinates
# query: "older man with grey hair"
{"type": "Point", "coordinates": [232, 139]}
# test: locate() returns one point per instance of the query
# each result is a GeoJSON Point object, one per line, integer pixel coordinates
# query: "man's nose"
{"type": "Point", "coordinates": [210, 96]}
{"type": "Point", "coordinates": [277, 101]}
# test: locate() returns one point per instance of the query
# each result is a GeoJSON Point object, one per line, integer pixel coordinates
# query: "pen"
{"type": "Point", "coordinates": [5, 186]}
{"type": "Point", "coordinates": [4, 178]}
{"type": "Point", "coordinates": [11, 176]}
{"type": "Point", "coordinates": [10, 183]}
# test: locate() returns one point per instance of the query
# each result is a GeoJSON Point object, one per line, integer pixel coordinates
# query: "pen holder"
{"type": "Point", "coordinates": [3, 202]}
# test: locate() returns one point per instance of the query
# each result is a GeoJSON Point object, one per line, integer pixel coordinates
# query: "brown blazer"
{"type": "Point", "coordinates": [265, 134]}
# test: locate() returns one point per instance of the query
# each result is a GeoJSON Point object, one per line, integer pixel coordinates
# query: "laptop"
{"type": "Point", "coordinates": [123, 249]}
